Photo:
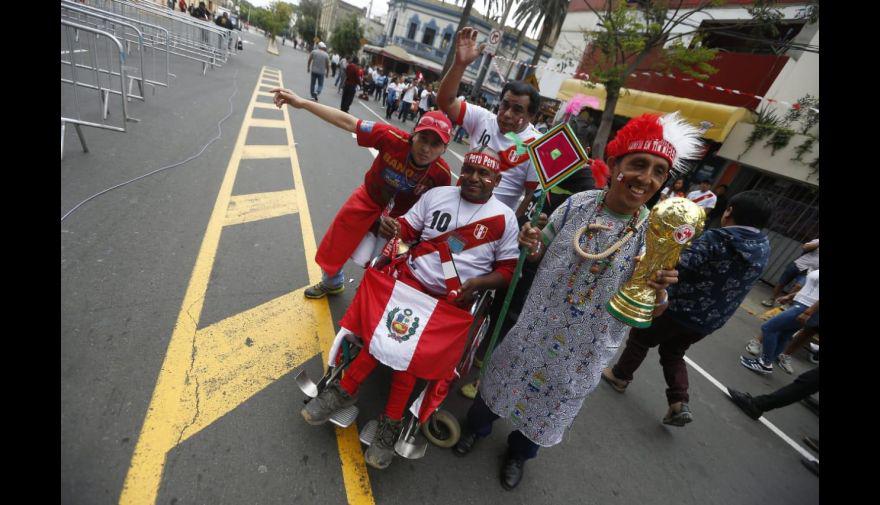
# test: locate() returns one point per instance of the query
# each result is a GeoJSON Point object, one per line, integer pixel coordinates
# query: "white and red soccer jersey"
{"type": "Point", "coordinates": [517, 172]}
{"type": "Point", "coordinates": [705, 200]}
{"type": "Point", "coordinates": [481, 237]}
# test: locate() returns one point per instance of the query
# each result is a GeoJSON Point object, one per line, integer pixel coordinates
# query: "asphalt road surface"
{"type": "Point", "coordinates": [183, 325]}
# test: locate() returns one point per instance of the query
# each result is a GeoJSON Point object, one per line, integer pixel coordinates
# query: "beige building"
{"type": "Point", "coordinates": [334, 12]}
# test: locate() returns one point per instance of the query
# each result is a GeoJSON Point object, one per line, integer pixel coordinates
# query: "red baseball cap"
{"type": "Point", "coordinates": [436, 122]}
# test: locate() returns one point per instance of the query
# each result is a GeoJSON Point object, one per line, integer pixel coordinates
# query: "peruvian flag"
{"type": "Point", "coordinates": [406, 329]}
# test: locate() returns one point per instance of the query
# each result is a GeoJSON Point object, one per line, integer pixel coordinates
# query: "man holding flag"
{"type": "Point", "coordinates": [467, 244]}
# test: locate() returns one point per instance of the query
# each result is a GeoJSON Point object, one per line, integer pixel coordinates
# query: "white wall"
{"type": "Point", "coordinates": [798, 78]}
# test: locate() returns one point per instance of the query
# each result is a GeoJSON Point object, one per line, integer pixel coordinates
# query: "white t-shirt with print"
{"type": "Point", "coordinates": [810, 260]}
{"type": "Point", "coordinates": [809, 294]}
{"type": "Point", "coordinates": [517, 171]}
{"type": "Point", "coordinates": [408, 96]}
{"type": "Point", "coordinates": [441, 210]}
{"type": "Point", "coordinates": [705, 199]}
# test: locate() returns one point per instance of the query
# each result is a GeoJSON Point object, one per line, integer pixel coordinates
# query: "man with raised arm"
{"type": "Point", "coordinates": [519, 103]}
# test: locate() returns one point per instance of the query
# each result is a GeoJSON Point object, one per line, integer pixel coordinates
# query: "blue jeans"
{"type": "Point", "coordinates": [315, 91]}
{"type": "Point", "coordinates": [792, 273]}
{"type": "Point", "coordinates": [333, 281]}
{"type": "Point", "coordinates": [778, 331]}
{"type": "Point", "coordinates": [459, 134]}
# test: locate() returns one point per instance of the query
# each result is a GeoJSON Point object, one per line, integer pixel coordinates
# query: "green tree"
{"type": "Point", "coordinates": [346, 38]}
{"type": "Point", "coordinates": [492, 6]}
{"type": "Point", "coordinates": [307, 22]}
{"type": "Point", "coordinates": [628, 33]}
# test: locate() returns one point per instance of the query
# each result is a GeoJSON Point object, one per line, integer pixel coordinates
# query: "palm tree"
{"type": "Point", "coordinates": [491, 6]}
{"type": "Point", "coordinates": [549, 14]}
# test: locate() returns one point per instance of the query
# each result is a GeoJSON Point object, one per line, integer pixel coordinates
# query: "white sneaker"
{"type": "Point", "coordinates": [784, 361]}
{"type": "Point", "coordinates": [754, 347]}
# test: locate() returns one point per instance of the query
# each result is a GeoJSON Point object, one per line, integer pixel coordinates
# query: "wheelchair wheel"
{"type": "Point", "coordinates": [442, 429]}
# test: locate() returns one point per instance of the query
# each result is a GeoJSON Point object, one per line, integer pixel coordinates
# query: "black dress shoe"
{"type": "Point", "coordinates": [745, 402]}
{"type": "Point", "coordinates": [465, 444]}
{"type": "Point", "coordinates": [511, 472]}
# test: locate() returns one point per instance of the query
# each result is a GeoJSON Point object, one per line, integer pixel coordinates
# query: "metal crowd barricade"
{"type": "Point", "coordinates": [149, 37]}
{"type": "Point", "coordinates": [82, 49]}
{"type": "Point", "coordinates": [227, 35]}
{"type": "Point", "coordinates": [190, 37]}
{"type": "Point", "coordinates": [135, 70]}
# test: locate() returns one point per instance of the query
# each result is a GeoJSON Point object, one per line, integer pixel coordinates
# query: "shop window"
{"type": "Point", "coordinates": [447, 39]}
{"type": "Point", "coordinates": [428, 37]}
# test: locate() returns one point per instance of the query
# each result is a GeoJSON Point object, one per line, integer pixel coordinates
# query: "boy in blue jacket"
{"type": "Point", "coordinates": [715, 274]}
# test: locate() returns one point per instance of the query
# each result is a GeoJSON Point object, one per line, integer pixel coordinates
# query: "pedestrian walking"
{"type": "Point", "coordinates": [805, 385]}
{"type": "Point", "coordinates": [334, 64]}
{"type": "Point", "coordinates": [318, 65]}
{"type": "Point", "coordinates": [353, 79]}
{"type": "Point", "coordinates": [778, 331]}
{"type": "Point", "coordinates": [406, 101]}
{"type": "Point", "coordinates": [716, 272]}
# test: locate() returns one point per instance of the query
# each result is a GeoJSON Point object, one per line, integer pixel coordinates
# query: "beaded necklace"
{"type": "Point", "coordinates": [601, 260]}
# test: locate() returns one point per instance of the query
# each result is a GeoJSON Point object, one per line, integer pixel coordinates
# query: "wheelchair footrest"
{"type": "Point", "coordinates": [306, 385]}
{"type": "Point", "coordinates": [368, 433]}
{"type": "Point", "coordinates": [344, 417]}
{"type": "Point", "coordinates": [410, 444]}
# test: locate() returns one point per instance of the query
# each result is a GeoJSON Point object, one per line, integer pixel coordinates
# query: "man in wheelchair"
{"type": "Point", "coordinates": [465, 242]}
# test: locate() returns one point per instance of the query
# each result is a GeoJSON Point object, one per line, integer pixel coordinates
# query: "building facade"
{"type": "Point", "coordinates": [768, 75]}
{"type": "Point", "coordinates": [334, 12]}
{"type": "Point", "coordinates": [419, 34]}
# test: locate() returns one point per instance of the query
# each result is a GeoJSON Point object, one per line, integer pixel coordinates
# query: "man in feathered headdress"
{"type": "Point", "coordinates": [553, 357]}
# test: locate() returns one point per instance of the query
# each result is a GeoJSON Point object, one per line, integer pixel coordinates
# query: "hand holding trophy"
{"type": "Point", "coordinates": [672, 224]}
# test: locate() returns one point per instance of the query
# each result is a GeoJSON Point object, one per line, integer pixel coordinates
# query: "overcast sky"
{"type": "Point", "coordinates": [380, 7]}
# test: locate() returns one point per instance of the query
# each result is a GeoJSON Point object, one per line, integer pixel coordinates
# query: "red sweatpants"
{"type": "Point", "coordinates": [402, 383]}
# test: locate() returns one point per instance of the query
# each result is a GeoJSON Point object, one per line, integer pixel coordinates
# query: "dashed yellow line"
{"type": "Point", "coordinates": [258, 206]}
{"type": "Point", "coordinates": [269, 123]}
{"type": "Point", "coordinates": [208, 372]}
{"type": "Point", "coordinates": [261, 152]}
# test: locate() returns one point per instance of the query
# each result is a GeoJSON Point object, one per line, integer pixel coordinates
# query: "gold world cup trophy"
{"type": "Point", "coordinates": [672, 225]}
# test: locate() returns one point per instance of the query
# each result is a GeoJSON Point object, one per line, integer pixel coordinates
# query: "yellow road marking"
{"type": "Point", "coordinates": [264, 105]}
{"type": "Point", "coordinates": [265, 93]}
{"type": "Point", "coordinates": [208, 372]}
{"type": "Point", "coordinates": [269, 123]}
{"type": "Point", "coordinates": [256, 206]}
{"type": "Point", "coordinates": [261, 152]}
{"type": "Point", "coordinates": [239, 356]}
{"type": "Point", "coordinates": [354, 469]}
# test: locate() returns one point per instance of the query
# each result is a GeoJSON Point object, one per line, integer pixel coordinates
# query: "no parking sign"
{"type": "Point", "coordinates": [492, 43]}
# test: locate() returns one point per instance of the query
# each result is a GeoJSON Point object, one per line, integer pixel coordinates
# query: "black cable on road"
{"type": "Point", "coordinates": [219, 134]}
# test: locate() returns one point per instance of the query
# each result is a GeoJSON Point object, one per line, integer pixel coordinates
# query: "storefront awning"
{"type": "Point", "coordinates": [633, 102]}
{"type": "Point", "coordinates": [398, 53]}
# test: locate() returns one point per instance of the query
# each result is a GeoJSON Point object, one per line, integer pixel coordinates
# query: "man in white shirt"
{"type": "Point", "coordinates": [340, 76]}
{"type": "Point", "coordinates": [703, 196]}
{"type": "Point", "coordinates": [519, 103]}
{"type": "Point", "coordinates": [409, 93]}
{"type": "Point", "coordinates": [463, 225]}
{"type": "Point", "coordinates": [334, 63]}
